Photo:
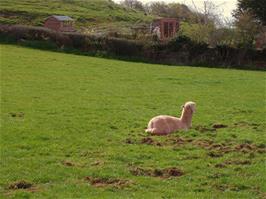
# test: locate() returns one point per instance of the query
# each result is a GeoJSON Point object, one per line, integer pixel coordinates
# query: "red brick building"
{"type": "Point", "coordinates": [60, 23]}
{"type": "Point", "coordinates": [165, 28]}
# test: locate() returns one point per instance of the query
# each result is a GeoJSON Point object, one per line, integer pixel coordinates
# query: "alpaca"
{"type": "Point", "coordinates": [165, 124]}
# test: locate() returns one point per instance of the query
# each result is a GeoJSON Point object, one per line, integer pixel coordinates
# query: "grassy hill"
{"type": "Point", "coordinates": [73, 127]}
{"type": "Point", "coordinates": [87, 13]}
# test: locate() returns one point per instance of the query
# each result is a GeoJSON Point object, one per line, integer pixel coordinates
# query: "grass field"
{"type": "Point", "coordinates": [73, 127]}
{"type": "Point", "coordinates": [96, 14]}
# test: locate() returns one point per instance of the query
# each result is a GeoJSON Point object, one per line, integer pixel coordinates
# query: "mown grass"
{"type": "Point", "coordinates": [87, 13]}
{"type": "Point", "coordinates": [67, 117]}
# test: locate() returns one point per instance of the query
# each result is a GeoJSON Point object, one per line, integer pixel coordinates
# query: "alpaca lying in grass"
{"type": "Point", "coordinates": [164, 124]}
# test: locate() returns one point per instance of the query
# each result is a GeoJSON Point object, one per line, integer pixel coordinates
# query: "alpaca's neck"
{"type": "Point", "coordinates": [186, 118]}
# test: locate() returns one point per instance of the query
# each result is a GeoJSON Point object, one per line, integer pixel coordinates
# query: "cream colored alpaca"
{"type": "Point", "coordinates": [165, 124]}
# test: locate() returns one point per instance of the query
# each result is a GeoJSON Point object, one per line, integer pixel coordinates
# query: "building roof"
{"type": "Point", "coordinates": [165, 19]}
{"type": "Point", "coordinates": [63, 18]}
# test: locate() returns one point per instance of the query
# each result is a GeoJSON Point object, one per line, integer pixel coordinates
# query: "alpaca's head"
{"type": "Point", "coordinates": [189, 107]}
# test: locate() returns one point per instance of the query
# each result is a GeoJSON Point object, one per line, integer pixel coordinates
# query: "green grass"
{"type": "Point", "coordinates": [59, 107]}
{"type": "Point", "coordinates": [87, 13]}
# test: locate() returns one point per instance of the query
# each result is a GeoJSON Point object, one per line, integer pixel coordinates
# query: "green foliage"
{"type": "Point", "coordinates": [247, 29]}
{"type": "Point", "coordinates": [87, 13]}
{"type": "Point", "coordinates": [181, 50]}
{"type": "Point", "coordinates": [197, 32]}
{"type": "Point", "coordinates": [65, 117]}
{"type": "Point", "coordinates": [256, 7]}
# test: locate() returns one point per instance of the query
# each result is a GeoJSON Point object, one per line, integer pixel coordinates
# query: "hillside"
{"type": "Point", "coordinates": [87, 13]}
{"type": "Point", "coordinates": [73, 127]}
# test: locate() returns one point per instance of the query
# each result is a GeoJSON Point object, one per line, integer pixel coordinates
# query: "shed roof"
{"type": "Point", "coordinates": [166, 19]}
{"type": "Point", "coordinates": [63, 18]}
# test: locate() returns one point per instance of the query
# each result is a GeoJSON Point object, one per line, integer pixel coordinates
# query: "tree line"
{"type": "Point", "coordinates": [207, 26]}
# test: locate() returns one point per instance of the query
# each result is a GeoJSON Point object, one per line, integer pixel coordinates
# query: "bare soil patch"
{"type": "Point", "coordinates": [22, 184]}
{"type": "Point", "coordinates": [230, 187]}
{"type": "Point", "coordinates": [213, 148]}
{"type": "Point", "coordinates": [204, 129]}
{"type": "Point", "coordinates": [68, 163]}
{"type": "Point", "coordinates": [150, 141]}
{"type": "Point", "coordinates": [233, 162]}
{"type": "Point", "coordinates": [219, 126]}
{"type": "Point", "coordinates": [97, 163]}
{"type": "Point", "coordinates": [17, 115]}
{"type": "Point", "coordinates": [215, 154]}
{"type": "Point", "coordinates": [243, 124]}
{"type": "Point", "coordinates": [103, 182]}
{"type": "Point", "coordinates": [130, 141]}
{"type": "Point", "coordinates": [246, 148]}
{"type": "Point", "coordinates": [163, 173]}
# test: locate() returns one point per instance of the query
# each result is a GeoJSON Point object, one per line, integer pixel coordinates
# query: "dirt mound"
{"type": "Point", "coordinates": [233, 162]}
{"type": "Point", "coordinates": [215, 154]}
{"type": "Point", "coordinates": [150, 141]}
{"type": "Point", "coordinates": [220, 165]}
{"type": "Point", "coordinates": [103, 182]}
{"type": "Point", "coordinates": [20, 185]}
{"type": "Point", "coordinates": [17, 115]}
{"type": "Point", "coordinates": [230, 187]}
{"type": "Point", "coordinates": [219, 126]}
{"type": "Point", "coordinates": [129, 141]}
{"type": "Point", "coordinates": [245, 124]}
{"type": "Point", "coordinates": [179, 140]}
{"type": "Point", "coordinates": [238, 162]}
{"type": "Point", "coordinates": [163, 173]}
{"type": "Point", "coordinates": [68, 163]}
{"type": "Point", "coordinates": [203, 129]}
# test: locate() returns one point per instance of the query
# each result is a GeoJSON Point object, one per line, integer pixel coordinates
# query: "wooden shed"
{"type": "Point", "coordinates": [60, 23]}
{"type": "Point", "coordinates": [165, 28]}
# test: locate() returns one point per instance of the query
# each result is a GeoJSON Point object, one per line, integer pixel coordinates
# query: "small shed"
{"type": "Point", "coordinates": [60, 23]}
{"type": "Point", "coordinates": [165, 28]}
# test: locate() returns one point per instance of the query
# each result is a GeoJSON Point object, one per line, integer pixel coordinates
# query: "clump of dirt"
{"type": "Point", "coordinates": [20, 185]}
{"type": "Point", "coordinates": [220, 147]}
{"type": "Point", "coordinates": [215, 154]}
{"type": "Point", "coordinates": [129, 141]}
{"type": "Point", "coordinates": [230, 187]}
{"type": "Point", "coordinates": [245, 124]}
{"type": "Point", "coordinates": [68, 163]}
{"type": "Point", "coordinates": [204, 129]}
{"type": "Point", "coordinates": [97, 163]}
{"type": "Point", "coordinates": [219, 126]}
{"type": "Point", "coordinates": [261, 146]}
{"type": "Point", "coordinates": [245, 148]}
{"type": "Point", "coordinates": [150, 141]}
{"type": "Point", "coordinates": [17, 115]}
{"type": "Point", "coordinates": [233, 162]}
{"type": "Point", "coordinates": [238, 162]}
{"type": "Point", "coordinates": [103, 182]}
{"type": "Point", "coordinates": [179, 140]}
{"type": "Point", "coordinates": [163, 173]}
{"type": "Point", "coordinates": [220, 165]}
{"type": "Point", "coordinates": [203, 143]}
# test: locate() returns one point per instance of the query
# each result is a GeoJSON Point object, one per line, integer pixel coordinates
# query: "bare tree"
{"type": "Point", "coordinates": [133, 4]}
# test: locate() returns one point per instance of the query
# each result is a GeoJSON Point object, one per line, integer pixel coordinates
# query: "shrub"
{"type": "Point", "coordinates": [181, 50]}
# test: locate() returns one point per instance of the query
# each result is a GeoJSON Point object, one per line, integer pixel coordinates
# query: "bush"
{"type": "Point", "coordinates": [181, 50]}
